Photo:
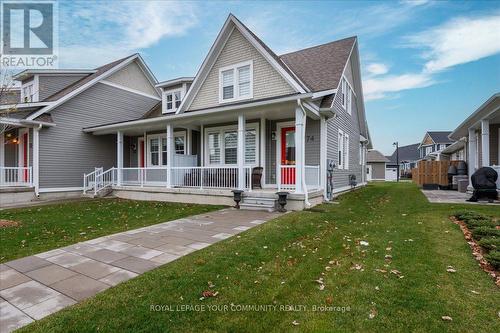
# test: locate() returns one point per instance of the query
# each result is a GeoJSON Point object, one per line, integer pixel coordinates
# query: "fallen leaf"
{"type": "Point", "coordinates": [364, 243]}
{"type": "Point", "coordinates": [295, 323]}
{"type": "Point", "coordinates": [372, 314]}
{"type": "Point", "coordinates": [446, 318]}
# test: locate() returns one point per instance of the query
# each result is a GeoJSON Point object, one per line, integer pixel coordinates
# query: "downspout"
{"type": "Point", "coordinates": [303, 180]}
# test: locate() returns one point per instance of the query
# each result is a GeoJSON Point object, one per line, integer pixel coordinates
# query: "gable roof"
{"type": "Point", "coordinates": [233, 23]}
{"type": "Point", "coordinates": [440, 136]}
{"type": "Point", "coordinates": [88, 81]}
{"type": "Point", "coordinates": [406, 153]}
{"type": "Point", "coordinates": [321, 67]}
{"type": "Point", "coordinates": [374, 156]}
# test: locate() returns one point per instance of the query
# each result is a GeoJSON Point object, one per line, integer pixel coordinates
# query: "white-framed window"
{"type": "Point", "coordinates": [222, 145]}
{"type": "Point", "coordinates": [236, 82]}
{"type": "Point", "coordinates": [343, 150]}
{"type": "Point", "coordinates": [172, 100]}
{"type": "Point", "coordinates": [157, 148]}
{"type": "Point", "coordinates": [349, 100]}
{"type": "Point", "coordinates": [361, 154]}
{"type": "Point", "coordinates": [28, 93]}
{"type": "Point", "coordinates": [428, 150]}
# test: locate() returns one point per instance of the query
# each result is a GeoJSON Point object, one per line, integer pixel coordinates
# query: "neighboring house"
{"type": "Point", "coordinates": [433, 143]}
{"type": "Point", "coordinates": [407, 156]}
{"type": "Point", "coordinates": [291, 115]}
{"type": "Point", "coordinates": [376, 165]}
{"type": "Point", "coordinates": [480, 134]}
{"type": "Point", "coordinates": [45, 147]}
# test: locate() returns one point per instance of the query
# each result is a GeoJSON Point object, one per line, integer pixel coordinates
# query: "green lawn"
{"type": "Point", "coordinates": [278, 262]}
{"type": "Point", "coordinates": [48, 227]}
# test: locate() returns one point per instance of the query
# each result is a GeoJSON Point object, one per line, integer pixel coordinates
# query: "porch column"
{"type": "Point", "coordinates": [472, 153]}
{"type": "Point", "coordinates": [485, 142]}
{"type": "Point", "coordinates": [322, 154]}
{"type": "Point", "coordinates": [299, 148]}
{"type": "Point", "coordinates": [119, 156]}
{"type": "Point", "coordinates": [241, 151]}
{"type": "Point", "coordinates": [2, 157]}
{"type": "Point", "coordinates": [170, 153]}
{"type": "Point", "coordinates": [263, 149]}
{"type": "Point", "coordinates": [36, 159]}
{"type": "Point", "coordinates": [189, 139]}
{"type": "Point", "coordinates": [202, 145]}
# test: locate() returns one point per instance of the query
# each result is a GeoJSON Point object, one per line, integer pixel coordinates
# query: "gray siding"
{"type": "Point", "coordinates": [49, 85]}
{"type": "Point", "coordinates": [348, 124]}
{"type": "Point", "coordinates": [133, 77]}
{"type": "Point", "coordinates": [66, 152]}
{"type": "Point", "coordinates": [267, 82]}
{"type": "Point", "coordinates": [378, 170]}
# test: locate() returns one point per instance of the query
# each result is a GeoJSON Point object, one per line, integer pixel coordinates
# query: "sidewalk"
{"type": "Point", "coordinates": [36, 286]}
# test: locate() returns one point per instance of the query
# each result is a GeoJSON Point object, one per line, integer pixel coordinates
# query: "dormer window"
{"type": "Point", "coordinates": [28, 93]}
{"type": "Point", "coordinates": [172, 100]}
{"type": "Point", "coordinates": [236, 82]}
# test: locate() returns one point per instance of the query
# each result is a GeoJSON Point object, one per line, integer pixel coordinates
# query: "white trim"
{"type": "Point", "coordinates": [340, 149]}
{"type": "Point", "coordinates": [236, 77]}
{"type": "Point", "coordinates": [262, 161]}
{"type": "Point", "coordinates": [60, 189]}
{"type": "Point", "coordinates": [220, 130]}
{"type": "Point", "coordinates": [24, 122]}
{"type": "Point", "coordinates": [323, 153]}
{"type": "Point", "coordinates": [345, 67]}
{"type": "Point", "coordinates": [52, 72]}
{"type": "Point", "coordinates": [164, 93]}
{"type": "Point", "coordinates": [24, 105]}
{"type": "Point", "coordinates": [323, 93]}
{"type": "Point", "coordinates": [176, 81]}
{"type": "Point", "coordinates": [75, 92]}
{"type": "Point", "coordinates": [119, 86]}
{"type": "Point", "coordinates": [161, 136]}
{"type": "Point", "coordinates": [36, 159]}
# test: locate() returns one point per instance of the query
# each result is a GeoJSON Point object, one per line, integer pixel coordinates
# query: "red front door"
{"type": "Point", "coordinates": [288, 155]}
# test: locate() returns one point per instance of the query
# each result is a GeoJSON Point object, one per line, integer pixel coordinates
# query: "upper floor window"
{"type": "Point", "coordinates": [172, 100]}
{"type": "Point", "coordinates": [28, 93]}
{"type": "Point", "coordinates": [343, 150]}
{"type": "Point", "coordinates": [346, 96]}
{"type": "Point", "coordinates": [236, 82]}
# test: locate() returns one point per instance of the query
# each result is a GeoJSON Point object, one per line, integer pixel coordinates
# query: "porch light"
{"type": "Point", "coordinates": [282, 196]}
{"type": "Point", "coordinates": [237, 197]}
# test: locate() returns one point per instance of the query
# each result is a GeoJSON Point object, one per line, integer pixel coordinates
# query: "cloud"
{"type": "Point", "coordinates": [92, 33]}
{"type": "Point", "coordinates": [377, 69]}
{"type": "Point", "coordinates": [378, 88]}
{"type": "Point", "coordinates": [458, 41]}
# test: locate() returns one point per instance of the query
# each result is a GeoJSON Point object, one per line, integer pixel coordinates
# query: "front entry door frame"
{"type": "Point", "coordinates": [23, 156]}
{"type": "Point", "coordinates": [279, 127]}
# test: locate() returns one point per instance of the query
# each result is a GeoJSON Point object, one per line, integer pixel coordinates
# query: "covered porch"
{"type": "Point", "coordinates": [268, 148]}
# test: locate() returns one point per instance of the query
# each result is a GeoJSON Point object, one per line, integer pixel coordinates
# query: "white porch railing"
{"type": "Point", "coordinates": [16, 176]}
{"type": "Point", "coordinates": [286, 178]}
{"type": "Point", "coordinates": [143, 176]}
{"type": "Point", "coordinates": [497, 169]}
{"type": "Point", "coordinates": [209, 177]}
{"type": "Point", "coordinates": [99, 180]}
{"type": "Point", "coordinates": [312, 176]}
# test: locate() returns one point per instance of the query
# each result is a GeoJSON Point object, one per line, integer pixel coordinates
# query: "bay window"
{"type": "Point", "coordinates": [222, 145]}
{"type": "Point", "coordinates": [236, 82]}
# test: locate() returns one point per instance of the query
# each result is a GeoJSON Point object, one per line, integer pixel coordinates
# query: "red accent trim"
{"type": "Point", "coordinates": [287, 174]}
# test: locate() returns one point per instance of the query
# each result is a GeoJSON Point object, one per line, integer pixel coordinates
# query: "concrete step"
{"type": "Point", "coordinates": [247, 206]}
{"type": "Point", "coordinates": [101, 194]}
{"type": "Point", "coordinates": [260, 201]}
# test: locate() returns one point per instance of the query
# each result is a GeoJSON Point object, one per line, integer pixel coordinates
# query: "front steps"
{"type": "Point", "coordinates": [102, 193]}
{"type": "Point", "coordinates": [258, 203]}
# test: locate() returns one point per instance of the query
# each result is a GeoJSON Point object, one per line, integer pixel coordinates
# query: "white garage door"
{"type": "Point", "coordinates": [391, 174]}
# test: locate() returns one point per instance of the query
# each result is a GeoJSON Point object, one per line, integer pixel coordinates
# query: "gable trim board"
{"type": "Point", "coordinates": [89, 84]}
{"type": "Point", "coordinates": [119, 86]}
{"type": "Point", "coordinates": [215, 51]}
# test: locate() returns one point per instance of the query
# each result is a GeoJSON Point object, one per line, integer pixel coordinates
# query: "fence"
{"type": "Point", "coordinates": [432, 172]}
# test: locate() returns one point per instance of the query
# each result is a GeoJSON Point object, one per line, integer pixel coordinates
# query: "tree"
{"type": "Point", "coordinates": [8, 96]}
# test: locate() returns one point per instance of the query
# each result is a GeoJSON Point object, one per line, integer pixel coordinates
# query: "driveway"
{"type": "Point", "coordinates": [36, 286]}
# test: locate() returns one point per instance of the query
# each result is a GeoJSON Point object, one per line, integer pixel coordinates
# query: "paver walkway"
{"type": "Point", "coordinates": [36, 286]}
{"type": "Point", "coordinates": [440, 196]}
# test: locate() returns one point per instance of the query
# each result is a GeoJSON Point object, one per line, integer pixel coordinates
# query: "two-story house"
{"type": "Point", "coordinates": [433, 143]}
{"type": "Point", "coordinates": [249, 119]}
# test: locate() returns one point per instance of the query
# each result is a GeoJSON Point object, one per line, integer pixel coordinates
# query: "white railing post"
{"type": "Point", "coordinates": [472, 153]}
{"type": "Point", "coordinates": [241, 152]}
{"type": "Point", "coordinates": [170, 153]}
{"type": "Point", "coordinates": [2, 158]}
{"type": "Point", "coordinates": [119, 155]}
{"type": "Point", "coordinates": [299, 148]}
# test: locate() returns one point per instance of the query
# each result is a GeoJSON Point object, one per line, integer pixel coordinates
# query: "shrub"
{"type": "Point", "coordinates": [494, 258]}
{"type": "Point", "coordinates": [470, 215]}
{"type": "Point", "coordinates": [473, 223]}
{"type": "Point", "coordinates": [490, 243]}
{"type": "Point", "coordinates": [481, 232]}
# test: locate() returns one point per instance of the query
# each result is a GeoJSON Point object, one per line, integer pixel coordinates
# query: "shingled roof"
{"type": "Point", "coordinates": [440, 136]}
{"type": "Point", "coordinates": [406, 153]}
{"type": "Point", "coordinates": [72, 87]}
{"type": "Point", "coordinates": [320, 67]}
{"type": "Point", "coordinates": [374, 156]}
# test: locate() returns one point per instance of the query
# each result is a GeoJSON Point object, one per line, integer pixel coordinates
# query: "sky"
{"type": "Point", "coordinates": [426, 65]}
